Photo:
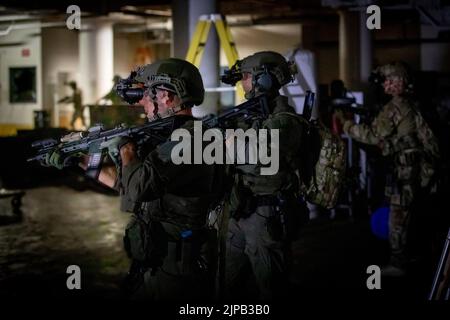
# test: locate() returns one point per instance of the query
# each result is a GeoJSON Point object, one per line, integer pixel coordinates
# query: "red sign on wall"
{"type": "Point", "coordinates": [25, 52]}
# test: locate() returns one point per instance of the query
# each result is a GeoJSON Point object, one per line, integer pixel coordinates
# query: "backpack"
{"type": "Point", "coordinates": [429, 163]}
{"type": "Point", "coordinates": [426, 135]}
{"type": "Point", "coordinates": [322, 168]}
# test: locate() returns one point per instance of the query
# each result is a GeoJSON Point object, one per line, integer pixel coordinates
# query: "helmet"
{"type": "Point", "coordinates": [395, 69]}
{"type": "Point", "coordinates": [270, 71]}
{"type": "Point", "coordinates": [175, 75]}
{"type": "Point", "coordinates": [72, 84]}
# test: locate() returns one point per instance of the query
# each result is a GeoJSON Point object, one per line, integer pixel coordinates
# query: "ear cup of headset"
{"type": "Point", "coordinates": [264, 82]}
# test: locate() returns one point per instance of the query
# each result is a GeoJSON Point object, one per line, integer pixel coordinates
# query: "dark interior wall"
{"type": "Point", "coordinates": [326, 48]}
{"type": "Point", "coordinates": [327, 64]}
{"type": "Point", "coordinates": [398, 39]}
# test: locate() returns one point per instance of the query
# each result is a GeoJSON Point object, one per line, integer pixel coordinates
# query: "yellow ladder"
{"type": "Point", "coordinates": [198, 42]}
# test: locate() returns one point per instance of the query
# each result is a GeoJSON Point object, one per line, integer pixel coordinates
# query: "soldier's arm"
{"type": "Point", "coordinates": [382, 127]}
{"type": "Point", "coordinates": [291, 132]}
{"type": "Point", "coordinates": [145, 180]}
{"type": "Point", "coordinates": [107, 176]}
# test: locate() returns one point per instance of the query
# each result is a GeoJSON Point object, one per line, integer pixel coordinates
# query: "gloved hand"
{"type": "Point", "coordinates": [57, 159]}
{"type": "Point", "coordinates": [114, 146]}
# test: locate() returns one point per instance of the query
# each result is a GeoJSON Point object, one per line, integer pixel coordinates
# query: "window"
{"type": "Point", "coordinates": [22, 84]}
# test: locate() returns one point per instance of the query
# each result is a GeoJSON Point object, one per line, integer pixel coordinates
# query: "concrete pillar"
{"type": "Point", "coordinates": [180, 28]}
{"type": "Point", "coordinates": [105, 57]}
{"type": "Point", "coordinates": [96, 52]}
{"type": "Point", "coordinates": [210, 64]}
{"type": "Point", "coordinates": [348, 48]}
{"type": "Point", "coordinates": [365, 48]}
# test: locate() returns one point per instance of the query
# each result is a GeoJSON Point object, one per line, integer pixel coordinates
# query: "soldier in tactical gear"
{"type": "Point", "coordinates": [169, 203]}
{"type": "Point", "coordinates": [76, 99]}
{"type": "Point", "coordinates": [261, 206]}
{"type": "Point", "coordinates": [401, 133]}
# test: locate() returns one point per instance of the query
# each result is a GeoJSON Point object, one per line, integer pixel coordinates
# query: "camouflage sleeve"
{"type": "Point", "coordinates": [382, 127]}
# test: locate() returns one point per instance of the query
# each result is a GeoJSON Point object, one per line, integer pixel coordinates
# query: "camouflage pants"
{"type": "Point", "coordinates": [253, 249]}
{"type": "Point", "coordinates": [403, 205]}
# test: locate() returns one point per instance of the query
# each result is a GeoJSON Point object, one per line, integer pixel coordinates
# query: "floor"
{"type": "Point", "coordinates": [63, 226]}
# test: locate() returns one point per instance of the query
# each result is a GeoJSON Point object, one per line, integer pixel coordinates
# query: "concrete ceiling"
{"type": "Point", "coordinates": [239, 12]}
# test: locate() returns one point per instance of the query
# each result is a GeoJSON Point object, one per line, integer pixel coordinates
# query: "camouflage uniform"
{"type": "Point", "coordinates": [257, 241]}
{"type": "Point", "coordinates": [396, 130]}
{"type": "Point", "coordinates": [169, 203]}
{"type": "Point", "coordinates": [78, 106]}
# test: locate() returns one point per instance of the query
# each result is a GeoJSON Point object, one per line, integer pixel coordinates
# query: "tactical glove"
{"type": "Point", "coordinates": [114, 146]}
{"type": "Point", "coordinates": [57, 159]}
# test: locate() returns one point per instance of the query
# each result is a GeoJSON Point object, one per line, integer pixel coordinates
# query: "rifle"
{"type": "Point", "coordinates": [308, 105]}
{"type": "Point", "coordinates": [441, 283]}
{"type": "Point", "coordinates": [349, 105]}
{"type": "Point", "coordinates": [93, 140]}
{"type": "Point", "coordinates": [128, 90]}
{"type": "Point", "coordinates": [252, 109]}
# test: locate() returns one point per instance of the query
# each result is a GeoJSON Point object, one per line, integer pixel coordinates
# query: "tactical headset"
{"type": "Point", "coordinates": [263, 81]}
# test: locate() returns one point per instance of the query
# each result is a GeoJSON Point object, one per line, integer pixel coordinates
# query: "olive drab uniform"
{"type": "Point", "coordinates": [78, 107]}
{"type": "Point", "coordinates": [398, 130]}
{"type": "Point", "coordinates": [167, 232]}
{"type": "Point", "coordinates": [265, 210]}
{"type": "Point", "coordinates": [77, 99]}
{"type": "Point", "coordinates": [260, 207]}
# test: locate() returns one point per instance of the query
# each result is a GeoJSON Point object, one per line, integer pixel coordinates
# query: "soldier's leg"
{"type": "Point", "coordinates": [178, 279]}
{"type": "Point", "coordinates": [83, 120]}
{"type": "Point", "coordinates": [266, 252]}
{"type": "Point", "coordinates": [161, 284]}
{"type": "Point", "coordinates": [401, 208]}
{"type": "Point", "coordinates": [398, 220]}
{"type": "Point", "coordinates": [74, 118]}
{"type": "Point", "coordinates": [236, 261]}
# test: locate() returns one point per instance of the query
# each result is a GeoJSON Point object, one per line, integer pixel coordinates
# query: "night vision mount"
{"type": "Point", "coordinates": [232, 75]}
{"type": "Point", "coordinates": [376, 78]}
{"type": "Point", "coordinates": [129, 90]}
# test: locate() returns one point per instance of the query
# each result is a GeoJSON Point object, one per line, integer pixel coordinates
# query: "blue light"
{"type": "Point", "coordinates": [379, 222]}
